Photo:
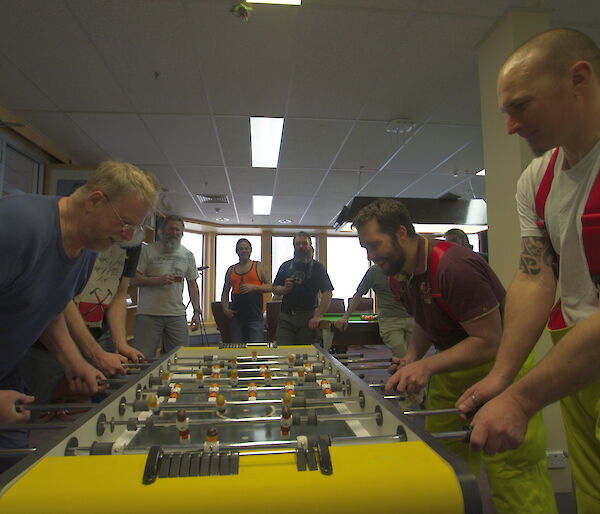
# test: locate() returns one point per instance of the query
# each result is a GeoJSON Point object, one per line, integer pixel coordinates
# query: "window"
{"type": "Point", "coordinates": [282, 249]}
{"type": "Point", "coordinates": [346, 264]}
{"type": "Point", "coordinates": [226, 256]}
{"type": "Point", "coordinates": [22, 173]}
{"type": "Point", "coordinates": [194, 243]}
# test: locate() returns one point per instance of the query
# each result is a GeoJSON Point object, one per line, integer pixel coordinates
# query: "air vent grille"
{"type": "Point", "coordinates": [212, 198]}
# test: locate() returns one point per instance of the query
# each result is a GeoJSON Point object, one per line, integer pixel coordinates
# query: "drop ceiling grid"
{"type": "Point", "coordinates": [148, 51]}
{"type": "Point", "coordinates": [66, 134]}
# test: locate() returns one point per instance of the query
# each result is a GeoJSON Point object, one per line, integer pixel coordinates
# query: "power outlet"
{"type": "Point", "coordinates": [557, 459]}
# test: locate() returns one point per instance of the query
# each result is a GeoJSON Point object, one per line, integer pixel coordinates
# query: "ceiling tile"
{"type": "Point", "coordinates": [122, 136]}
{"type": "Point", "coordinates": [311, 143]}
{"type": "Point", "coordinates": [185, 139]}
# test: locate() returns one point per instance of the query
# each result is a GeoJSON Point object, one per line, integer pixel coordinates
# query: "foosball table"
{"type": "Point", "coordinates": [218, 429]}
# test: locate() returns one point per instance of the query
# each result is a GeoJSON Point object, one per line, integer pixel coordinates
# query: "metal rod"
{"type": "Point", "coordinates": [15, 452]}
{"type": "Point", "coordinates": [363, 368]}
{"type": "Point", "coordinates": [358, 361]}
{"type": "Point", "coordinates": [53, 406]}
{"type": "Point", "coordinates": [249, 403]}
{"type": "Point", "coordinates": [33, 426]}
{"type": "Point", "coordinates": [431, 412]}
{"type": "Point", "coordinates": [458, 434]}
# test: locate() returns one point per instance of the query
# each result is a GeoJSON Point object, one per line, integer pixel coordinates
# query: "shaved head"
{"type": "Point", "coordinates": [558, 50]}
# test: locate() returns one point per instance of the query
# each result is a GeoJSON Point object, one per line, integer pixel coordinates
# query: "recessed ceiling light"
{"type": "Point", "coordinates": [286, 220]}
{"type": "Point", "coordinates": [261, 204]}
{"type": "Point", "coordinates": [265, 141]}
{"type": "Point", "coordinates": [481, 173]}
{"type": "Point", "coordinates": [221, 219]}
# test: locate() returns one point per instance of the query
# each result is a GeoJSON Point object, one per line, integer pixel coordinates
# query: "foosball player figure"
{"type": "Point", "coordinates": [286, 421]}
{"type": "Point", "coordinates": [175, 391]}
{"type": "Point", "coordinates": [268, 376]}
{"type": "Point", "coordinates": [212, 440]}
{"type": "Point", "coordinates": [213, 391]}
{"type": "Point", "coordinates": [199, 378]}
{"type": "Point", "coordinates": [221, 404]}
{"type": "Point", "coordinates": [233, 362]}
{"type": "Point", "coordinates": [301, 376]}
{"type": "Point", "coordinates": [165, 376]}
{"type": "Point", "coordinates": [252, 391]}
{"type": "Point", "coordinates": [308, 367]}
{"type": "Point", "coordinates": [254, 356]}
{"type": "Point", "coordinates": [286, 399]}
{"type": "Point", "coordinates": [153, 404]}
{"type": "Point", "coordinates": [216, 371]}
{"type": "Point", "coordinates": [290, 388]}
{"type": "Point", "coordinates": [291, 359]}
{"type": "Point", "coordinates": [233, 377]}
{"type": "Point", "coordinates": [183, 426]}
{"type": "Point", "coordinates": [262, 369]}
{"type": "Point", "coordinates": [326, 388]}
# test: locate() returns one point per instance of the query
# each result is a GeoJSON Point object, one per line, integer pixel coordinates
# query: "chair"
{"type": "Point", "coordinates": [222, 322]}
{"type": "Point", "coordinates": [337, 305]}
{"type": "Point", "coordinates": [273, 308]}
{"type": "Point", "coordinates": [364, 304]}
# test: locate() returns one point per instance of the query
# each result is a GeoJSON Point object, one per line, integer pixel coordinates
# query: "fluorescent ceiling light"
{"type": "Point", "coordinates": [261, 204]}
{"type": "Point", "coordinates": [265, 140]}
{"type": "Point", "coordinates": [282, 2]}
{"type": "Point", "coordinates": [481, 173]}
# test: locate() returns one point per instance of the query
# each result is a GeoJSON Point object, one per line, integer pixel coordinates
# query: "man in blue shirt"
{"type": "Point", "coordinates": [47, 251]}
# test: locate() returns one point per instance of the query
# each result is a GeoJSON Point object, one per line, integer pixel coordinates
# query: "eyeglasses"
{"type": "Point", "coordinates": [125, 227]}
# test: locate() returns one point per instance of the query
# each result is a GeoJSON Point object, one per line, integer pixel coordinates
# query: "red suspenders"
{"type": "Point", "coordinates": [590, 224]}
{"type": "Point", "coordinates": [437, 252]}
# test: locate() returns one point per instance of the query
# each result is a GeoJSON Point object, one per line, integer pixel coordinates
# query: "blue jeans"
{"type": "Point", "coordinates": [150, 331]}
{"type": "Point", "coordinates": [247, 331]}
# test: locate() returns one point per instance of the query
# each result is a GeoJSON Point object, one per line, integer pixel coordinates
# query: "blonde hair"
{"type": "Point", "coordinates": [117, 179]}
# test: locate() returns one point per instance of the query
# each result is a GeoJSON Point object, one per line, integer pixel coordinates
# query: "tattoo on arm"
{"type": "Point", "coordinates": [535, 252]}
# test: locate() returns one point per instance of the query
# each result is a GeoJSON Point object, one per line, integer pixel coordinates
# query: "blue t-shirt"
{"type": "Point", "coordinates": [309, 278]}
{"type": "Point", "coordinates": [37, 278]}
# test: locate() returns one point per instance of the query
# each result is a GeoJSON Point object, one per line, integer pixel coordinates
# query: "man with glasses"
{"type": "Point", "coordinates": [47, 252]}
{"type": "Point", "coordinates": [160, 273]}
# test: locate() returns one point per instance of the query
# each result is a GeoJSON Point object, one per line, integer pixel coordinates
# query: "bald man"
{"type": "Point", "coordinates": [549, 89]}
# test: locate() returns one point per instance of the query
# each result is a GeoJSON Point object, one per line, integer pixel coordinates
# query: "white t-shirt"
{"type": "Point", "coordinates": [564, 207]}
{"type": "Point", "coordinates": [155, 262]}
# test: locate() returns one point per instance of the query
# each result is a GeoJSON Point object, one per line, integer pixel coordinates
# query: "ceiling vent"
{"type": "Point", "coordinates": [212, 198]}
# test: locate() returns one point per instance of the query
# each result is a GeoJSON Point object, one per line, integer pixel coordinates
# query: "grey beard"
{"type": "Point", "coordinates": [171, 244]}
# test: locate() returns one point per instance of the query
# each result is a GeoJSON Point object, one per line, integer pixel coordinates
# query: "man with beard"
{"type": "Point", "coordinates": [549, 89]}
{"type": "Point", "coordinates": [247, 280]}
{"type": "Point", "coordinates": [161, 314]}
{"type": "Point", "coordinates": [47, 252]}
{"type": "Point", "coordinates": [299, 282]}
{"type": "Point", "coordinates": [457, 303]}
